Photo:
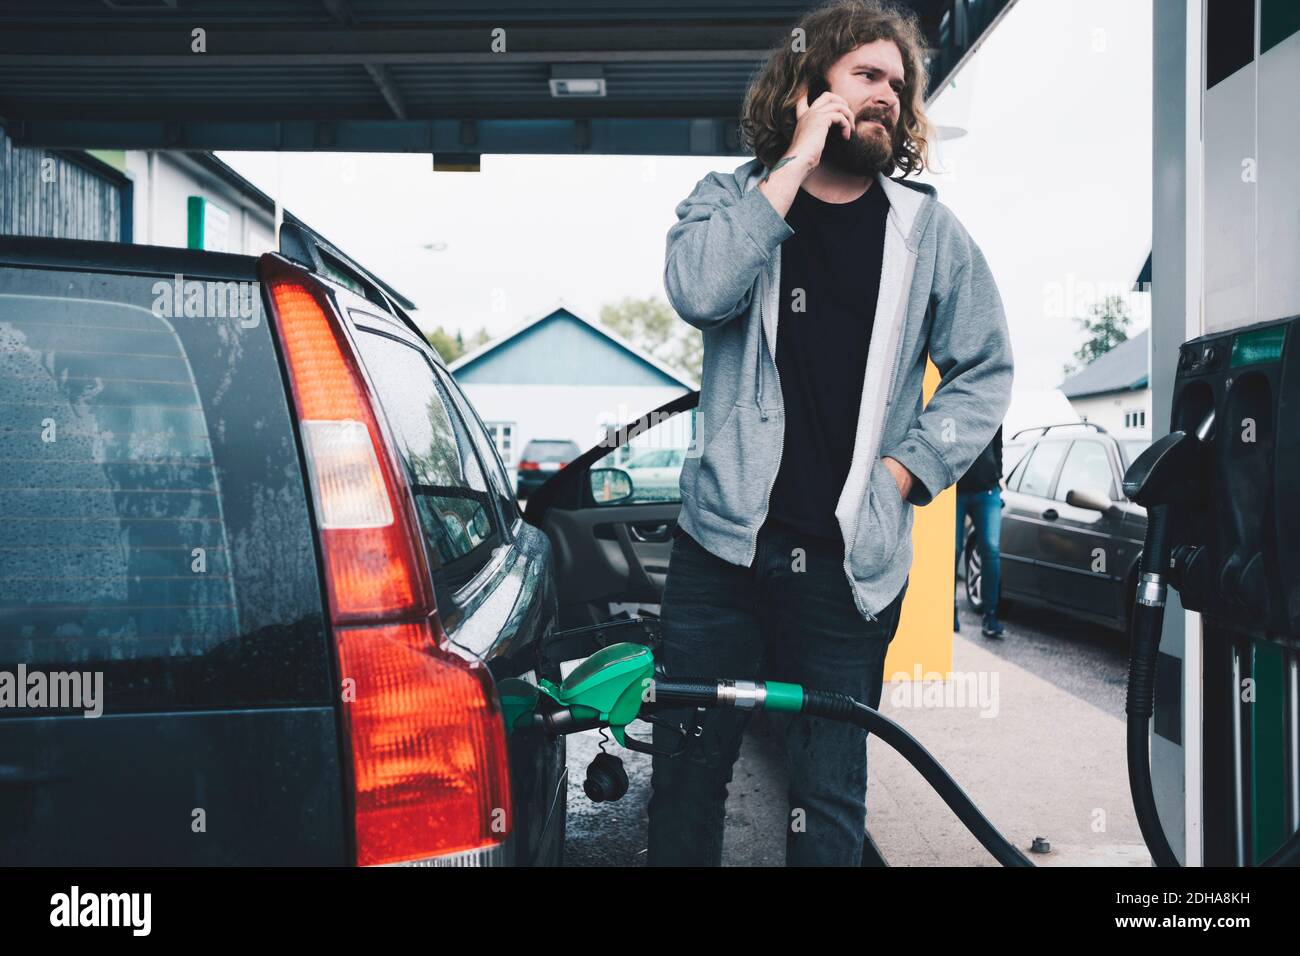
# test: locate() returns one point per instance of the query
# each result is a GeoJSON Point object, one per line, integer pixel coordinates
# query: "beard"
{"type": "Point", "coordinates": [861, 155]}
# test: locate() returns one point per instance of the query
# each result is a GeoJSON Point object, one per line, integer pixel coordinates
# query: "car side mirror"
{"type": "Point", "coordinates": [610, 485]}
{"type": "Point", "coordinates": [1088, 499]}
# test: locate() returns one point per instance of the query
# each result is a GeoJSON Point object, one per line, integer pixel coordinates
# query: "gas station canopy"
{"type": "Point", "coordinates": [453, 79]}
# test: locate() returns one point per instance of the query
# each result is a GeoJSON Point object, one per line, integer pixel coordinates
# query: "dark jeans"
{"type": "Point", "coordinates": [770, 621]}
{"type": "Point", "coordinates": [985, 510]}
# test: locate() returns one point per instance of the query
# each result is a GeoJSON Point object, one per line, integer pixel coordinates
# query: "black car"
{"type": "Point", "coordinates": [1070, 538]}
{"type": "Point", "coordinates": [244, 496]}
{"type": "Point", "coordinates": [542, 458]}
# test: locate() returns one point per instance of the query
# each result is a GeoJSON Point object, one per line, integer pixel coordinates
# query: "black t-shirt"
{"type": "Point", "coordinates": [830, 281]}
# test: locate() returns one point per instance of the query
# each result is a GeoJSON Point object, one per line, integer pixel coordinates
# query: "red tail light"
{"type": "Point", "coordinates": [431, 778]}
{"type": "Point", "coordinates": [429, 766]}
{"type": "Point", "coordinates": [529, 466]}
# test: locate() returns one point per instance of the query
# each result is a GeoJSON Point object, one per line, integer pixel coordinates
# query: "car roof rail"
{"type": "Point", "coordinates": [1044, 429]}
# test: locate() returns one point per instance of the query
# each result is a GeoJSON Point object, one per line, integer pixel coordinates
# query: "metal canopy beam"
{"type": "Point", "coordinates": [342, 12]}
{"type": "Point", "coordinates": [374, 75]}
{"type": "Point", "coordinates": [281, 45]}
{"type": "Point", "coordinates": [661, 137]}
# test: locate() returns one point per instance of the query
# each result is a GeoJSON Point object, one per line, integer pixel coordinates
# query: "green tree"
{"type": "Point", "coordinates": [652, 326]}
{"type": "Point", "coordinates": [1106, 326]}
{"type": "Point", "coordinates": [452, 346]}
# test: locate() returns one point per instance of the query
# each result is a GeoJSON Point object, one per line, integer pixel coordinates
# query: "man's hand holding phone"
{"type": "Point", "coordinates": [816, 116]}
{"type": "Point", "coordinates": [815, 119]}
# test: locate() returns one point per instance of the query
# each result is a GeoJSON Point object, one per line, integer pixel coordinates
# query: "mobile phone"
{"type": "Point", "coordinates": [815, 89]}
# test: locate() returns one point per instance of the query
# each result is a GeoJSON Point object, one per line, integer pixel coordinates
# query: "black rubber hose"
{"type": "Point", "coordinates": [1144, 647]}
{"type": "Point", "coordinates": [841, 707]}
{"type": "Point", "coordinates": [1147, 620]}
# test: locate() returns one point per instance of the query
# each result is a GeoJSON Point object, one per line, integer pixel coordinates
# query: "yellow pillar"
{"type": "Point", "coordinates": [924, 635]}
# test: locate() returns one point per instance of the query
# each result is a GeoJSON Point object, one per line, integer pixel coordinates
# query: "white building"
{"type": "Point", "coordinates": [154, 197]}
{"type": "Point", "coordinates": [196, 200]}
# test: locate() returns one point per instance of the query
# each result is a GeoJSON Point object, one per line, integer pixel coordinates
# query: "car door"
{"type": "Point", "coordinates": [491, 571]}
{"type": "Point", "coordinates": [1026, 500]}
{"type": "Point", "coordinates": [615, 551]}
{"type": "Point", "coordinates": [1083, 558]}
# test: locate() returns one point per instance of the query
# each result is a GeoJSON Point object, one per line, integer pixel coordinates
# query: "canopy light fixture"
{"type": "Point", "coordinates": [577, 80]}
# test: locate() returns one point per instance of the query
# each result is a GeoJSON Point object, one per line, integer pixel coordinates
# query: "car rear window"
{"type": "Point", "coordinates": [153, 517]}
{"type": "Point", "coordinates": [561, 451]}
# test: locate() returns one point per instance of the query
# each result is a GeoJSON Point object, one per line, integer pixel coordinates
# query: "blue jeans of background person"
{"type": "Point", "coordinates": [770, 621]}
{"type": "Point", "coordinates": [985, 510]}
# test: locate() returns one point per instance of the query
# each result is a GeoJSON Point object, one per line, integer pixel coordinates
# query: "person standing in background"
{"type": "Point", "coordinates": [979, 494]}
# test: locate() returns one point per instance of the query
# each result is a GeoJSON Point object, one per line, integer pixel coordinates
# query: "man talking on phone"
{"type": "Point", "coordinates": [821, 286]}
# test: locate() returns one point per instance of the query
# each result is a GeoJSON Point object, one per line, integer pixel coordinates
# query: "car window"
{"type": "Point", "coordinates": [653, 460]}
{"type": "Point", "coordinates": [487, 449]}
{"type": "Point", "coordinates": [1086, 468]}
{"type": "Point", "coordinates": [1013, 454]}
{"type": "Point", "coordinates": [154, 521]}
{"type": "Point", "coordinates": [1013, 480]}
{"type": "Point", "coordinates": [562, 452]}
{"type": "Point", "coordinates": [1041, 466]}
{"type": "Point", "coordinates": [451, 492]}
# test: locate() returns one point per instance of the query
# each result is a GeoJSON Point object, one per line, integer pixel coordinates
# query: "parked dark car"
{"type": "Point", "coordinates": [541, 459]}
{"type": "Point", "coordinates": [1070, 538]}
{"type": "Point", "coordinates": [247, 492]}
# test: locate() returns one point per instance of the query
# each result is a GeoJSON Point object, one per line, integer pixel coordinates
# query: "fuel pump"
{"type": "Point", "coordinates": [1223, 528]}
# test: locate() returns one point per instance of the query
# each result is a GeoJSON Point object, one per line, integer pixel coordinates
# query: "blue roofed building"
{"type": "Point", "coordinates": [562, 376]}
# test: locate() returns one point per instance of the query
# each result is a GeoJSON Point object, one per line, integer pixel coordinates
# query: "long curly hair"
{"type": "Point", "coordinates": [830, 31]}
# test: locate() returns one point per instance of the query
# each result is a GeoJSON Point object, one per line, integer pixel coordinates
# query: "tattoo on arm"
{"type": "Point", "coordinates": [781, 162]}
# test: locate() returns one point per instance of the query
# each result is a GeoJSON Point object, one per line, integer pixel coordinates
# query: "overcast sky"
{"type": "Point", "coordinates": [1052, 180]}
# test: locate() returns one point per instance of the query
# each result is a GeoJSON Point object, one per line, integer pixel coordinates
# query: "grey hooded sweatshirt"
{"type": "Point", "coordinates": [937, 298]}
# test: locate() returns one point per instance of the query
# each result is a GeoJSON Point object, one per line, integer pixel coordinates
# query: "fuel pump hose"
{"type": "Point", "coordinates": [791, 698]}
{"type": "Point", "coordinates": [1148, 620]}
